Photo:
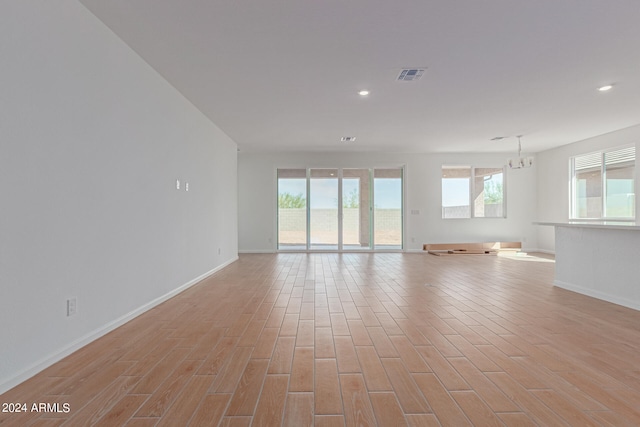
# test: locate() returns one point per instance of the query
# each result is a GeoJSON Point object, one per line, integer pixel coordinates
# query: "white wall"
{"type": "Point", "coordinates": [92, 141]}
{"type": "Point", "coordinates": [257, 201]}
{"type": "Point", "coordinates": [554, 178]}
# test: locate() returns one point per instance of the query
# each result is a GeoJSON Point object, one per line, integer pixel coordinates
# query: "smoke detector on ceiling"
{"type": "Point", "coordinates": [410, 74]}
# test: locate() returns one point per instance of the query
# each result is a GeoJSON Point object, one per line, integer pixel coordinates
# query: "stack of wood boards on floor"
{"type": "Point", "coordinates": [487, 248]}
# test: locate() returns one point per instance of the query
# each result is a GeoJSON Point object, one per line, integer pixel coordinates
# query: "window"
{"type": "Point", "coordinates": [603, 185]}
{"type": "Point", "coordinates": [472, 192]}
{"type": "Point", "coordinates": [488, 201]}
{"type": "Point", "coordinates": [456, 187]}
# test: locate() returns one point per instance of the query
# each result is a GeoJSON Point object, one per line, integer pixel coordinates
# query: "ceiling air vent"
{"type": "Point", "coordinates": [348, 138]}
{"type": "Point", "coordinates": [410, 74]}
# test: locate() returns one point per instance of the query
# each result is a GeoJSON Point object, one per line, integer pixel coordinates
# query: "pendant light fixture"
{"type": "Point", "coordinates": [520, 162]}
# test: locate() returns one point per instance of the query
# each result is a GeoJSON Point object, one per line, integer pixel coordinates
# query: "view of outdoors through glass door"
{"type": "Point", "coordinates": [333, 209]}
{"type": "Point", "coordinates": [323, 209]}
{"type": "Point", "coordinates": [356, 209]}
{"type": "Point", "coordinates": [387, 213]}
{"type": "Point", "coordinates": [292, 209]}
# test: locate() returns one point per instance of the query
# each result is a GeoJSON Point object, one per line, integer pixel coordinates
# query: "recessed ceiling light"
{"type": "Point", "coordinates": [605, 88]}
{"type": "Point", "coordinates": [363, 93]}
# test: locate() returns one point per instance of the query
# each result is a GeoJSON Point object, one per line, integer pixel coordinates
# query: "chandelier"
{"type": "Point", "coordinates": [520, 162]}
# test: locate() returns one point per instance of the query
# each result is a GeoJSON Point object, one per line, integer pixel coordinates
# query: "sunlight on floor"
{"type": "Point", "coordinates": [530, 257]}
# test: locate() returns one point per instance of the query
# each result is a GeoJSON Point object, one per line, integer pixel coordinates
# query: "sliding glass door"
{"type": "Point", "coordinates": [356, 209]}
{"type": "Point", "coordinates": [387, 198]}
{"type": "Point", "coordinates": [340, 209]}
{"type": "Point", "coordinates": [292, 209]}
{"type": "Point", "coordinates": [323, 209]}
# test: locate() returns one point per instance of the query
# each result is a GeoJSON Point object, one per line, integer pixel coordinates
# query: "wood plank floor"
{"type": "Point", "coordinates": [357, 339]}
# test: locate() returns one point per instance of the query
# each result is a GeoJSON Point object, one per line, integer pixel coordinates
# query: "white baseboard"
{"type": "Point", "coordinates": [625, 302]}
{"type": "Point", "coordinates": [527, 250]}
{"type": "Point", "coordinates": [354, 251]}
{"type": "Point", "coordinates": [407, 251]}
{"type": "Point", "coordinates": [49, 360]}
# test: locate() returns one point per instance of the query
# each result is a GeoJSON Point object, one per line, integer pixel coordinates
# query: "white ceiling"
{"type": "Point", "coordinates": [284, 74]}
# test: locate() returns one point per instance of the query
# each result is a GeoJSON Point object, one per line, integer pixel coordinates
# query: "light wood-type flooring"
{"type": "Point", "coordinates": [357, 339]}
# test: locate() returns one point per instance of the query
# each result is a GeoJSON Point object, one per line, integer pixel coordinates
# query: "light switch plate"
{"type": "Point", "coordinates": [72, 306]}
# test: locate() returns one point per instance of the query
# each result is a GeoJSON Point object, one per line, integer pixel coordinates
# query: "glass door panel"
{"type": "Point", "coordinates": [387, 213]}
{"type": "Point", "coordinates": [292, 209]}
{"type": "Point", "coordinates": [356, 209]}
{"type": "Point", "coordinates": [323, 209]}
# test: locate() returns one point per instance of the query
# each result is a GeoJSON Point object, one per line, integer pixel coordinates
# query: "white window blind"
{"type": "Point", "coordinates": [588, 161]}
{"type": "Point", "coordinates": [624, 155]}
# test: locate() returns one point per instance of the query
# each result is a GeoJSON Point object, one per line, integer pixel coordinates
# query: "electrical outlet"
{"type": "Point", "coordinates": [177, 184]}
{"type": "Point", "coordinates": [72, 306]}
